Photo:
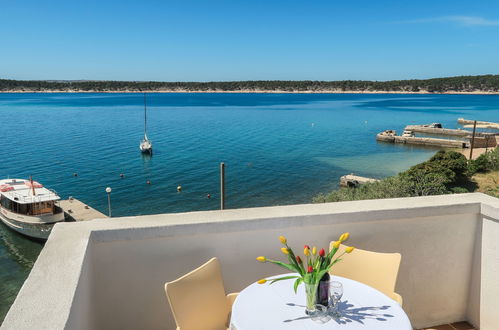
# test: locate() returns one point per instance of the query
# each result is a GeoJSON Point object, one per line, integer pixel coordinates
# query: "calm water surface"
{"type": "Point", "coordinates": [278, 149]}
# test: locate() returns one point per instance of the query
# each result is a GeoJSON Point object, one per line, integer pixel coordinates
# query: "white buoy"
{"type": "Point", "coordinates": [179, 188]}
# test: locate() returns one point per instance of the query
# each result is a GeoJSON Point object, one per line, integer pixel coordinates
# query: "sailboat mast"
{"type": "Point", "coordinates": [145, 116]}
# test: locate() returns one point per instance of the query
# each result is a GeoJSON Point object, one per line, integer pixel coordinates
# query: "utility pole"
{"type": "Point", "coordinates": [222, 186]}
{"type": "Point", "coordinates": [472, 140]}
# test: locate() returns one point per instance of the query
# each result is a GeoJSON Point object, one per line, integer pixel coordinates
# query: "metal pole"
{"type": "Point", "coordinates": [472, 139]}
{"type": "Point", "coordinates": [222, 186]}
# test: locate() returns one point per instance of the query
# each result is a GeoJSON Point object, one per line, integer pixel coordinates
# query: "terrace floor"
{"type": "Point", "coordinates": [463, 325]}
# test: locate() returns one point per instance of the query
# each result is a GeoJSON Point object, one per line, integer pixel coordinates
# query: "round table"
{"type": "Point", "coordinates": [276, 306]}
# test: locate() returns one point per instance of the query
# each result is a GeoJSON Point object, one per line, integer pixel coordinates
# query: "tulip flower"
{"type": "Point", "coordinates": [310, 269]}
{"type": "Point", "coordinates": [283, 239]}
{"type": "Point", "coordinates": [322, 253]}
{"type": "Point", "coordinates": [298, 259]}
{"type": "Point", "coordinates": [336, 244]}
{"type": "Point", "coordinates": [314, 251]}
{"type": "Point", "coordinates": [306, 247]}
{"type": "Point", "coordinates": [344, 237]}
{"type": "Point", "coordinates": [261, 259]}
{"type": "Point", "coordinates": [285, 250]}
{"type": "Point", "coordinates": [306, 251]}
{"type": "Point", "coordinates": [262, 281]}
{"type": "Point", "coordinates": [349, 249]}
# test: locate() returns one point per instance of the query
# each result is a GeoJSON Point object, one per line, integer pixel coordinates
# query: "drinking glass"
{"type": "Point", "coordinates": [335, 294]}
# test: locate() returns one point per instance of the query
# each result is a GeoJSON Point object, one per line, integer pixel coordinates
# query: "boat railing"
{"type": "Point", "coordinates": [30, 199]}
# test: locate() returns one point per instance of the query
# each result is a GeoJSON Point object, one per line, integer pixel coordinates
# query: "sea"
{"type": "Point", "coordinates": [278, 149]}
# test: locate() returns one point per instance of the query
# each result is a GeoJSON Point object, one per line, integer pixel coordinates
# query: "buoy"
{"type": "Point", "coordinates": [75, 174]}
{"type": "Point", "coordinates": [148, 181]}
{"type": "Point", "coordinates": [179, 188]}
{"type": "Point", "coordinates": [208, 196]}
{"type": "Point", "coordinates": [122, 175]}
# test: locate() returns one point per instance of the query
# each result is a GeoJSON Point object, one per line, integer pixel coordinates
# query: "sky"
{"type": "Point", "coordinates": [247, 40]}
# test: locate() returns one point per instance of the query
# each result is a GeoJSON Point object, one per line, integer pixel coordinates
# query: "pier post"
{"type": "Point", "coordinates": [472, 140]}
{"type": "Point", "coordinates": [222, 186]}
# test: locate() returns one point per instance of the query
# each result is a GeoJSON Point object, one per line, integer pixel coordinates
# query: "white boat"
{"type": "Point", "coordinates": [29, 208]}
{"type": "Point", "coordinates": [145, 144]}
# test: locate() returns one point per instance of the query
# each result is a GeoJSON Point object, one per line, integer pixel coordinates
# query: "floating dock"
{"type": "Point", "coordinates": [438, 131]}
{"type": "Point", "coordinates": [391, 136]}
{"type": "Point", "coordinates": [351, 180]}
{"type": "Point", "coordinates": [75, 210]}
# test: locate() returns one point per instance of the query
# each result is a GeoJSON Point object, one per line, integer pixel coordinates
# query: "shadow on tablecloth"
{"type": "Point", "coordinates": [350, 313]}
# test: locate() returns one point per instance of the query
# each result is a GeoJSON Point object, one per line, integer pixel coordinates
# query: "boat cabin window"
{"type": "Point", "coordinates": [27, 209]}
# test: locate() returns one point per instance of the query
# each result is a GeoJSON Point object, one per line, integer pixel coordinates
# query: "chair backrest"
{"type": "Point", "coordinates": [198, 299]}
{"type": "Point", "coordinates": [378, 270]}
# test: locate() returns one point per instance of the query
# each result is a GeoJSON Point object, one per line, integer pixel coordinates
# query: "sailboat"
{"type": "Point", "coordinates": [145, 144]}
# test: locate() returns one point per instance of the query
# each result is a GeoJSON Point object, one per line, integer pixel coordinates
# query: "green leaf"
{"type": "Point", "coordinates": [297, 282]}
{"type": "Point", "coordinates": [284, 265]}
{"type": "Point", "coordinates": [282, 279]}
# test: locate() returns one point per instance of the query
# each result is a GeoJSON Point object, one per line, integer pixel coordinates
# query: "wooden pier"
{"type": "Point", "coordinates": [75, 210]}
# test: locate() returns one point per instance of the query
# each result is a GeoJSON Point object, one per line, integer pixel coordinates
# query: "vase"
{"type": "Point", "coordinates": [311, 294]}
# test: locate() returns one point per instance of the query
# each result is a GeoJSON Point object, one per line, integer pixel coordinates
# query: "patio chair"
{"type": "Point", "coordinates": [378, 270]}
{"type": "Point", "coordinates": [198, 299]}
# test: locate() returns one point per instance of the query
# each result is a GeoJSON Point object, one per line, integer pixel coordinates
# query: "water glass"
{"type": "Point", "coordinates": [319, 314]}
{"type": "Point", "coordinates": [335, 294]}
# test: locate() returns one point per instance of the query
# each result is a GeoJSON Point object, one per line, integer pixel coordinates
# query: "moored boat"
{"type": "Point", "coordinates": [29, 208]}
{"type": "Point", "coordinates": [145, 144]}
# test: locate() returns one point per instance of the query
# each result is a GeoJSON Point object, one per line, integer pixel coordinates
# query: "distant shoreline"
{"type": "Point", "coordinates": [249, 91]}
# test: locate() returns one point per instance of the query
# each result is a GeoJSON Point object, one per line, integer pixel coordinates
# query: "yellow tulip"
{"type": "Point", "coordinates": [262, 281]}
{"type": "Point", "coordinates": [314, 251]}
{"type": "Point", "coordinates": [336, 244]}
{"type": "Point", "coordinates": [306, 251]}
{"type": "Point", "coordinates": [349, 249]}
{"type": "Point", "coordinates": [261, 259]}
{"type": "Point", "coordinates": [283, 239]}
{"type": "Point", "coordinates": [344, 237]}
{"type": "Point", "coordinates": [285, 250]}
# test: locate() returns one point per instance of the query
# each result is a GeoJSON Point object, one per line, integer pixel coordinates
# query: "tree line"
{"type": "Point", "coordinates": [483, 83]}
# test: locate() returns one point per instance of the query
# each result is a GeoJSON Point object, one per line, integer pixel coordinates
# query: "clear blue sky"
{"type": "Point", "coordinates": [248, 40]}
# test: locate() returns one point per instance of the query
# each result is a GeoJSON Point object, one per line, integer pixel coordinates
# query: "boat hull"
{"type": "Point", "coordinates": [39, 231]}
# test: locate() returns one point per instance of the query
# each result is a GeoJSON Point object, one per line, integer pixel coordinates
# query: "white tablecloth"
{"type": "Point", "coordinates": [276, 306]}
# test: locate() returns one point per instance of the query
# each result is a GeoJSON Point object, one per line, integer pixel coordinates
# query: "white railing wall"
{"type": "Point", "coordinates": [114, 270]}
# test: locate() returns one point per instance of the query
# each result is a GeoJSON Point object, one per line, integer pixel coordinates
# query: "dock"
{"type": "Point", "coordinates": [463, 121]}
{"type": "Point", "coordinates": [351, 180]}
{"type": "Point", "coordinates": [76, 210]}
{"type": "Point", "coordinates": [391, 136]}
{"type": "Point", "coordinates": [438, 131]}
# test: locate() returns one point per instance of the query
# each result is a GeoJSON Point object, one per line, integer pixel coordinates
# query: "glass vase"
{"type": "Point", "coordinates": [311, 295]}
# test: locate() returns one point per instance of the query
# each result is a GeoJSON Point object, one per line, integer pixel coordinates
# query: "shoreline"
{"type": "Point", "coordinates": [249, 91]}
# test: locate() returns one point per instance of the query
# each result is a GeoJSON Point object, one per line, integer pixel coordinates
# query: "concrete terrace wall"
{"type": "Point", "coordinates": [115, 279]}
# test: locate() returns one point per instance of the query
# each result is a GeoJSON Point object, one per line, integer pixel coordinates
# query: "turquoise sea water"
{"type": "Point", "coordinates": [278, 149]}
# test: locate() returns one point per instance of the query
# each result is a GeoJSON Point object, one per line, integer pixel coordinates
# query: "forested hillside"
{"type": "Point", "coordinates": [485, 83]}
